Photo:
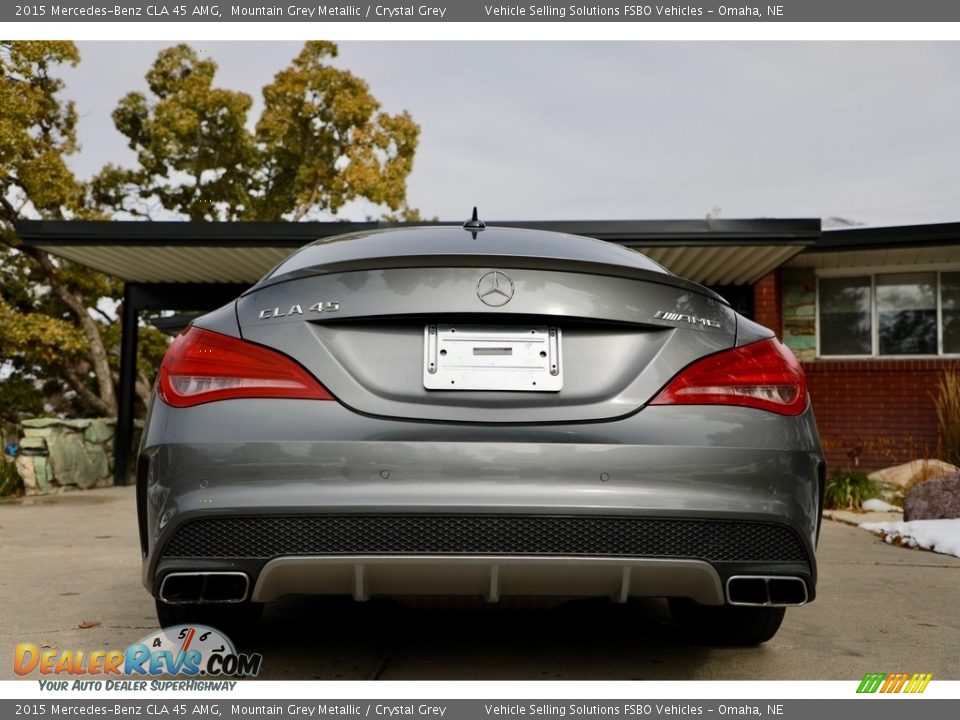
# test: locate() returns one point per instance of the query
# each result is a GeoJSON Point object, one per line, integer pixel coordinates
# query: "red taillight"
{"type": "Point", "coordinates": [201, 366]}
{"type": "Point", "coordinates": [763, 375]}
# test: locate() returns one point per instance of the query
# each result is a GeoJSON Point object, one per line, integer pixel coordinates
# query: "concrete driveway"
{"type": "Point", "coordinates": [74, 558]}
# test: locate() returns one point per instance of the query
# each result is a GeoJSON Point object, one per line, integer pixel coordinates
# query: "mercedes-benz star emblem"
{"type": "Point", "coordinates": [495, 288]}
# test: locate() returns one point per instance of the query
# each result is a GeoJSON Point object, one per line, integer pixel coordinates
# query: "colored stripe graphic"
{"type": "Point", "coordinates": [894, 682]}
{"type": "Point", "coordinates": [918, 683]}
{"type": "Point", "coordinates": [871, 682]}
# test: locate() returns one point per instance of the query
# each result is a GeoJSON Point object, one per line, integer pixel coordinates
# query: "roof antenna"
{"type": "Point", "coordinates": [474, 224]}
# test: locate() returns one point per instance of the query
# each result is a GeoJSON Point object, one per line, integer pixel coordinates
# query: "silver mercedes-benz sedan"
{"type": "Point", "coordinates": [487, 412]}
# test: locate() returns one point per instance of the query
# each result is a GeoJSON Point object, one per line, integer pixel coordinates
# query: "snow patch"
{"type": "Point", "coordinates": [878, 505]}
{"type": "Point", "coordinates": [941, 536]}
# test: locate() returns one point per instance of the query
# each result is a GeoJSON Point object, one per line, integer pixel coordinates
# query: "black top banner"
{"type": "Point", "coordinates": [481, 11]}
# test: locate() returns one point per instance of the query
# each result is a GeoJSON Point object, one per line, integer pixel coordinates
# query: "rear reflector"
{"type": "Point", "coordinates": [763, 375]}
{"type": "Point", "coordinates": [201, 366]}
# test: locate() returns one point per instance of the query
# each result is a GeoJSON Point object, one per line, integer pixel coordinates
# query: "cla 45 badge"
{"type": "Point", "coordinates": [317, 307]}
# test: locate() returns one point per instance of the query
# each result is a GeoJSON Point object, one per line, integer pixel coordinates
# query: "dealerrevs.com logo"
{"type": "Point", "coordinates": [191, 650]}
{"type": "Point", "coordinates": [894, 682]}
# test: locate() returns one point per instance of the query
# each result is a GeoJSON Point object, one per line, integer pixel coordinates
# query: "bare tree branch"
{"type": "Point", "coordinates": [98, 352]}
{"type": "Point", "coordinates": [77, 383]}
{"type": "Point", "coordinates": [101, 313]}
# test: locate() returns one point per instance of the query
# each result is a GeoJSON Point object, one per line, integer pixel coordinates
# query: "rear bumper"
{"type": "Point", "coordinates": [488, 555]}
{"type": "Point", "coordinates": [724, 468]}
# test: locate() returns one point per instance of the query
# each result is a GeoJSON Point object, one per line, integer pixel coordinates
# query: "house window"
{"type": "Point", "coordinates": [950, 311]}
{"type": "Point", "coordinates": [907, 313]}
{"type": "Point", "coordinates": [913, 313]}
{"type": "Point", "coordinates": [845, 316]}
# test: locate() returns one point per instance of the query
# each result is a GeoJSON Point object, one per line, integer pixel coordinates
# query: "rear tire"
{"type": "Point", "coordinates": [238, 621]}
{"type": "Point", "coordinates": [724, 624]}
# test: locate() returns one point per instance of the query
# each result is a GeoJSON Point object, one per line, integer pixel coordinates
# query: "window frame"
{"type": "Point", "coordinates": [872, 273]}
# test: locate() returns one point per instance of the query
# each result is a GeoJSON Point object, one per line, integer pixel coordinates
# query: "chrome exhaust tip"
{"type": "Point", "coordinates": [767, 590]}
{"type": "Point", "coordinates": [187, 588]}
{"type": "Point", "coordinates": [787, 591]}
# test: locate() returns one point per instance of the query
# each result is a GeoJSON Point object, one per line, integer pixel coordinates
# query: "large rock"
{"type": "Point", "coordinates": [28, 474]}
{"type": "Point", "coordinates": [911, 473]}
{"type": "Point", "coordinates": [41, 423]}
{"type": "Point", "coordinates": [70, 461]}
{"type": "Point", "coordinates": [99, 430]}
{"type": "Point", "coordinates": [33, 446]}
{"type": "Point", "coordinates": [33, 423]}
{"type": "Point", "coordinates": [937, 499]}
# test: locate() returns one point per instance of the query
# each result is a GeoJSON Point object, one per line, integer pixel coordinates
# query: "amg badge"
{"type": "Point", "coordinates": [680, 317]}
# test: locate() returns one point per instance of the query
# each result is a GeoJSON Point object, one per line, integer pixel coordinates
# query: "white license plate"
{"type": "Point", "coordinates": [492, 357]}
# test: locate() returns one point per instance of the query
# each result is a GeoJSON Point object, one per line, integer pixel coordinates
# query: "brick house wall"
{"type": "Point", "coordinates": [875, 413]}
{"type": "Point", "coordinates": [871, 413]}
{"type": "Point", "coordinates": [767, 303]}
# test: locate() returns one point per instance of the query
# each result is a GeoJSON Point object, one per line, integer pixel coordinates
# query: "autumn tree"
{"type": "Point", "coordinates": [320, 142]}
{"type": "Point", "coordinates": [49, 333]}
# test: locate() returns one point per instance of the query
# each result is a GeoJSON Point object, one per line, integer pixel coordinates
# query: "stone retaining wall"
{"type": "Point", "coordinates": [56, 454]}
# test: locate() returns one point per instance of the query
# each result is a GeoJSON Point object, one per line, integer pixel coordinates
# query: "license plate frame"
{"type": "Point", "coordinates": [506, 358]}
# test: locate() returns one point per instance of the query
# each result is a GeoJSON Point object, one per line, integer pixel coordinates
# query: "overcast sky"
{"type": "Point", "coordinates": [867, 131]}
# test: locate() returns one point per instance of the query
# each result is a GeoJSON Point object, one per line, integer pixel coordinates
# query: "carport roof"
{"type": "Point", "coordinates": [871, 248]}
{"type": "Point", "coordinates": [711, 252]}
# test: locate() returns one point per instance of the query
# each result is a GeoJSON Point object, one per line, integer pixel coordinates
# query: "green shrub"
{"type": "Point", "coordinates": [10, 482]}
{"type": "Point", "coordinates": [846, 490]}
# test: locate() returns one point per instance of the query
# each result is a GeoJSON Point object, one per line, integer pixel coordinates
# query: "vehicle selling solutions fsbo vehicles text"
{"type": "Point", "coordinates": [635, 12]}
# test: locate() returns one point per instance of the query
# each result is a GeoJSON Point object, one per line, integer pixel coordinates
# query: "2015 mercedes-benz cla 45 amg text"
{"type": "Point", "coordinates": [493, 413]}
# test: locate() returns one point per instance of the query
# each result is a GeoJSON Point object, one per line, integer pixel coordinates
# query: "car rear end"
{"type": "Point", "coordinates": [494, 413]}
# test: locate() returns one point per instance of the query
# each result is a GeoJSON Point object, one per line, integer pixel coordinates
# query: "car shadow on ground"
{"type": "Point", "coordinates": [328, 639]}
